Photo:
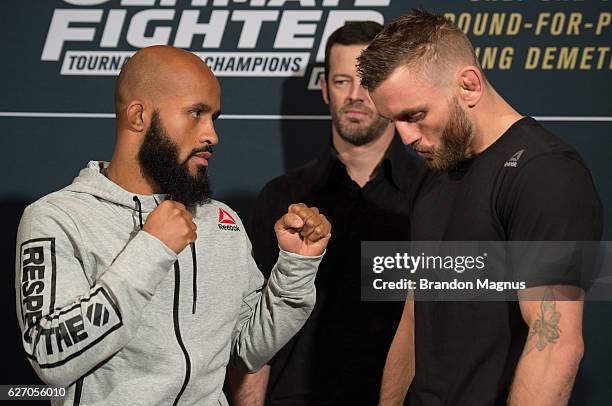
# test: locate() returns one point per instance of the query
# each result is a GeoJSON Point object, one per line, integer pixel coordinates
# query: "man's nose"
{"type": "Point", "coordinates": [358, 92]}
{"type": "Point", "coordinates": [408, 132]}
{"type": "Point", "coordinates": [209, 135]}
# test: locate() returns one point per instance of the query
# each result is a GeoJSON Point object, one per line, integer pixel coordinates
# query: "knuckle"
{"type": "Point", "coordinates": [296, 207]}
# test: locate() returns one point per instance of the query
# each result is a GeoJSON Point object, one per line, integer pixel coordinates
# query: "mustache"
{"type": "Point", "coordinates": [359, 106]}
{"type": "Point", "coordinates": [416, 146]}
{"type": "Point", "coordinates": [206, 148]}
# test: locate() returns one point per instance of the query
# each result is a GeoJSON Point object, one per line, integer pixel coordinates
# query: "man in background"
{"type": "Point", "coordinates": [362, 182]}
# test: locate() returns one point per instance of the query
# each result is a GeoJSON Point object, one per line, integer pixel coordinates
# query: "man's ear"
{"type": "Point", "coordinates": [471, 85]}
{"type": "Point", "coordinates": [324, 89]}
{"type": "Point", "coordinates": [137, 119]}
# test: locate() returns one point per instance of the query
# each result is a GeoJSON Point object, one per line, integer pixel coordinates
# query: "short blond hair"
{"type": "Point", "coordinates": [428, 43]}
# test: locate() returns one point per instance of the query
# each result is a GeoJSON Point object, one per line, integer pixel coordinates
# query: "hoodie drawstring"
{"type": "Point", "coordinates": [194, 258]}
{"type": "Point", "coordinates": [137, 201]}
{"type": "Point", "coordinates": [195, 276]}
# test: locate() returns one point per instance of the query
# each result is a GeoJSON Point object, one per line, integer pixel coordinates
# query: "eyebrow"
{"type": "Point", "coordinates": [200, 106]}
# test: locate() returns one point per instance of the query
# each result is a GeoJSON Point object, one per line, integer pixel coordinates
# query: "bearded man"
{"type": "Point", "coordinates": [133, 286]}
{"type": "Point", "coordinates": [495, 175]}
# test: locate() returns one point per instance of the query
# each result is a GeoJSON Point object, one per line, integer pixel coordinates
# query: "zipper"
{"type": "Point", "coordinates": [78, 392]}
{"type": "Point", "coordinates": [177, 331]}
{"type": "Point", "coordinates": [175, 310]}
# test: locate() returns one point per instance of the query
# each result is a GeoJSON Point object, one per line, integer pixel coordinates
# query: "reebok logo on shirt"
{"type": "Point", "coordinates": [513, 161]}
{"type": "Point", "coordinates": [226, 221]}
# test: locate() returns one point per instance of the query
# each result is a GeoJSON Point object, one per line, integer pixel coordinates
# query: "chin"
{"type": "Point", "coordinates": [194, 171]}
{"type": "Point", "coordinates": [355, 126]}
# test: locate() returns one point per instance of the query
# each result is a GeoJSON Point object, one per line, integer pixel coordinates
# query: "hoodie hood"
{"type": "Point", "coordinates": [91, 181]}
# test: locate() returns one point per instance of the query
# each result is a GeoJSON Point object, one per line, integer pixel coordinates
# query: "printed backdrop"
{"type": "Point", "coordinates": [550, 59]}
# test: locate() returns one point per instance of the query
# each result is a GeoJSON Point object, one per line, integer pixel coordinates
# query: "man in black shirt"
{"type": "Point", "coordinates": [362, 182]}
{"type": "Point", "coordinates": [494, 176]}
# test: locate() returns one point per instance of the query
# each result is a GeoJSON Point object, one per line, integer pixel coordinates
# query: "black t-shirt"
{"type": "Point", "coordinates": [337, 358]}
{"type": "Point", "coordinates": [528, 186]}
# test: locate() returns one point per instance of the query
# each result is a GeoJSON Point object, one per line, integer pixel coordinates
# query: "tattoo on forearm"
{"type": "Point", "coordinates": [545, 329]}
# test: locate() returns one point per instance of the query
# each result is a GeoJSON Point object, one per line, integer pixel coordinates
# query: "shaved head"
{"type": "Point", "coordinates": [166, 102]}
{"type": "Point", "coordinates": [156, 71]}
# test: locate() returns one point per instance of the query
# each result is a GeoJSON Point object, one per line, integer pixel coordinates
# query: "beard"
{"type": "Point", "coordinates": [159, 161]}
{"type": "Point", "coordinates": [355, 132]}
{"type": "Point", "coordinates": [455, 141]}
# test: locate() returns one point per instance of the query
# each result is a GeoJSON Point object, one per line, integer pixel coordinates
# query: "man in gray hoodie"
{"type": "Point", "coordinates": [133, 286]}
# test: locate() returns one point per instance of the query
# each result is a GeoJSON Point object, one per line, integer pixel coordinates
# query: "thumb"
{"type": "Point", "coordinates": [291, 220]}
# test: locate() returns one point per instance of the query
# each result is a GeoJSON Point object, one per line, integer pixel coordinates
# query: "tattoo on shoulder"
{"type": "Point", "coordinates": [545, 329]}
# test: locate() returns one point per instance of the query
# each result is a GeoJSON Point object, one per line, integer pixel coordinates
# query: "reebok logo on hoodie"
{"type": "Point", "coordinates": [226, 221]}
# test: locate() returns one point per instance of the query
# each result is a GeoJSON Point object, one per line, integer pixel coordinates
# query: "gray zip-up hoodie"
{"type": "Point", "coordinates": [110, 312]}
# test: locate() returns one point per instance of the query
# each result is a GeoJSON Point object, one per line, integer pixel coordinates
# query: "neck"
{"type": "Point", "coordinates": [362, 161]}
{"type": "Point", "coordinates": [124, 170]}
{"type": "Point", "coordinates": [492, 119]}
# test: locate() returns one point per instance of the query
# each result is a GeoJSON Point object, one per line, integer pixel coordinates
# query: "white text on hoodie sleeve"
{"type": "Point", "coordinates": [73, 317]}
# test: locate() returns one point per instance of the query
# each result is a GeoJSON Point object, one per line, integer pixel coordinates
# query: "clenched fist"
{"type": "Point", "coordinates": [172, 224]}
{"type": "Point", "coordinates": [303, 230]}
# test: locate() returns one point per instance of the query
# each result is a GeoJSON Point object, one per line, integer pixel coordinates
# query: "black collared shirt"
{"type": "Point", "coordinates": [339, 355]}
